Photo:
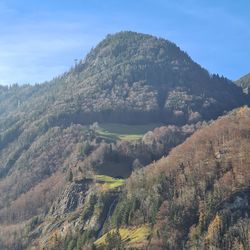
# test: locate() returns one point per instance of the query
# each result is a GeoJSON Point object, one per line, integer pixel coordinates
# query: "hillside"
{"type": "Point", "coordinates": [68, 146]}
{"type": "Point", "coordinates": [202, 194]}
{"type": "Point", "coordinates": [244, 82]}
{"type": "Point", "coordinates": [197, 198]}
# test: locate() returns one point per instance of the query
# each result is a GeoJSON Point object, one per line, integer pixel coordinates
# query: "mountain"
{"type": "Point", "coordinates": [68, 146]}
{"type": "Point", "coordinates": [147, 78]}
{"type": "Point", "coordinates": [244, 82]}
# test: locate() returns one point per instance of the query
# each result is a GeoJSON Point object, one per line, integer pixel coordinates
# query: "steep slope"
{"type": "Point", "coordinates": [198, 196]}
{"type": "Point", "coordinates": [244, 82]}
{"type": "Point", "coordinates": [67, 161]}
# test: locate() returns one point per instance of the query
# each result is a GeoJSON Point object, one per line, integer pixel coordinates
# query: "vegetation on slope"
{"type": "Point", "coordinates": [46, 139]}
{"type": "Point", "coordinates": [124, 132]}
{"type": "Point", "coordinates": [198, 196]}
{"type": "Point", "coordinates": [244, 82]}
{"type": "Point", "coordinates": [109, 183]}
{"type": "Point", "coordinates": [135, 236]}
{"type": "Point", "coordinates": [71, 156]}
{"type": "Point", "coordinates": [129, 77]}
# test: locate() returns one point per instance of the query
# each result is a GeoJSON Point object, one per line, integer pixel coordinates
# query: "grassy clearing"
{"type": "Point", "coordinates": [132, 235]}
{"type": "Point", "coordinates": [124, 132]}
{"type": "Point", "coordinates": [109, 182]}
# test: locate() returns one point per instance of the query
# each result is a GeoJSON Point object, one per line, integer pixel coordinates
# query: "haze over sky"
{"type": "Point", "coordinates": [40, 39]}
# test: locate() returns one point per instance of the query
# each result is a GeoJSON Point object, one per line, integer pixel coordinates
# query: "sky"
{"type": "Point", "coordinates": [39, 40]}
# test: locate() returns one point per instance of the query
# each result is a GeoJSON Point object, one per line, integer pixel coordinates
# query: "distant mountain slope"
{"type": "Point", "coordinates": [244, 82]}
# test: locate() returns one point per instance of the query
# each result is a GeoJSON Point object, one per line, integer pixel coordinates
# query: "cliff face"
{"type": "Point", "coordinates": [81, 209]}
{"type": "Point", "coordinates": [73, 196]}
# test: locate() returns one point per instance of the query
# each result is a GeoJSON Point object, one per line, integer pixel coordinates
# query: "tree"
{"type": "Point", "coordinates": [114, 241]}
{"type": "Point", "coordinates": [70, 175]}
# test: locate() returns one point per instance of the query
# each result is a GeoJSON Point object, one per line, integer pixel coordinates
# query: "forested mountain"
{"type": "Point", "coordinates": [244, 82]}
{"type": "Point", "coordinates": [133, 73]}
{"type": "Point", "coordinates": [77, 153]}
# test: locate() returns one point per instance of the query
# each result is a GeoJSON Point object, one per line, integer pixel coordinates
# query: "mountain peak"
{"type": "Point", "coordinates": [150, 79]}
{"type": "Point", "coordinates": [132, 46]}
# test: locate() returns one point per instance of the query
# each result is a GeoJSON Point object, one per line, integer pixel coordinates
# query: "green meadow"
{"type": "Point", "coordinates": [114, 131]}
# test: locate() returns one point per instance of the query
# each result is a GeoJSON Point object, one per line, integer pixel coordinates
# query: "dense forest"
{"type": "Point", "coordinates": [135, 147]}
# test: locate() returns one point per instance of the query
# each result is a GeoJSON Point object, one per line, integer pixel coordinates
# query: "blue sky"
{"type": "Point", "coordinates": [40, 39]}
